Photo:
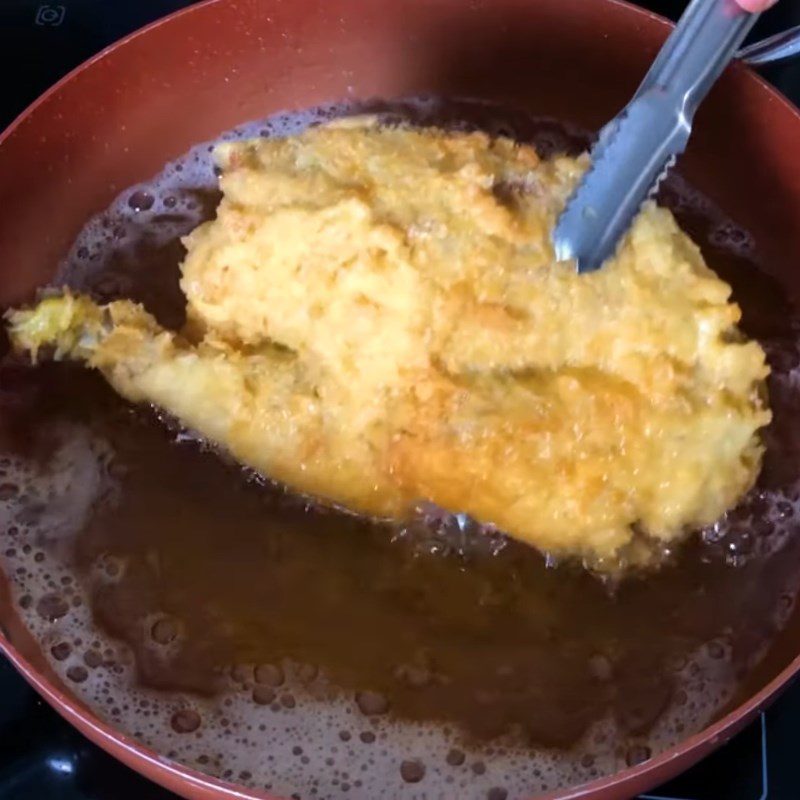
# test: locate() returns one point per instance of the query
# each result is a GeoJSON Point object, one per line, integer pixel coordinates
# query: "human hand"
{"type": "Point", "coordinates": [754, 6]}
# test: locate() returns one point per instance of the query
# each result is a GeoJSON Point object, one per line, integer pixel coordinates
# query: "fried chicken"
{"type": "Point", "coordinates": [375, 318]}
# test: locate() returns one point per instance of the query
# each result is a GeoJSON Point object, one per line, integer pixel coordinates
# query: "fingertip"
{"type": "Point", "coordinates": [756, 6]}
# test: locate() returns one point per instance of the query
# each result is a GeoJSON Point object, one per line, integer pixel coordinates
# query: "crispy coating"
{"type": "Point", "coordinates": [375, 318]}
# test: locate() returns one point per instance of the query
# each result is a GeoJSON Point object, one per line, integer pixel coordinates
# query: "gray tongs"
{"type": "Point", "coordinates": [635, 150]}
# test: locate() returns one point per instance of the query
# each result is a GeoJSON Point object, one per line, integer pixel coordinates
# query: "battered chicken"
{"type": "Point", "coordinates": [375, 318]}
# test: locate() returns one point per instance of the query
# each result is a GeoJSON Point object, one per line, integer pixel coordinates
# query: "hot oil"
{"type": "Point", "coordinates": [255, 636]}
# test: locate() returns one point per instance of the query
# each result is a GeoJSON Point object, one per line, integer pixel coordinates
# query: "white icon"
{"type": "Point", "coordinates": [49, 15]}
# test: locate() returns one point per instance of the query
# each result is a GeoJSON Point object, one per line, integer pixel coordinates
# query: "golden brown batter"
{"type": "Point", "coordinates": [375, 318]}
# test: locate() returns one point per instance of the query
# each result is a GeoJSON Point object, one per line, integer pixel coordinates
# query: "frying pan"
{"type": "Point", "coordinates": [118, 118]}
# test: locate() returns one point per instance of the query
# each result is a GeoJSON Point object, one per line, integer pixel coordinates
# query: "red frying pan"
{"type": "Point", "coordinates": [118, 118]}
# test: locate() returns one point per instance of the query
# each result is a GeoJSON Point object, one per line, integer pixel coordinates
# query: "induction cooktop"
{"type": "Point", "coordinates": [41, 756]}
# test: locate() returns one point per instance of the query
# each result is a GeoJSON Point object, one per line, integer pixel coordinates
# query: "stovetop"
{"type": "Point", "coordinates": [41, 756]}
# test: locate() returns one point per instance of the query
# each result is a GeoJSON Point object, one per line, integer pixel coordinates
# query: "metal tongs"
{"type": "Point", "coordinates": [636, 149]}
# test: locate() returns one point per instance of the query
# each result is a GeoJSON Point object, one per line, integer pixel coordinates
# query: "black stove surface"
{"type": "Point", "coordinates": [41, 756]}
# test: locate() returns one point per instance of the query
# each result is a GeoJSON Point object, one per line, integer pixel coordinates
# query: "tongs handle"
{"type": "Point", "coordinates": [779, 47]}
{"type": "Point", "coordinates": [636, 148]}
{"type": "Point", "coordinates": [702, 44]}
